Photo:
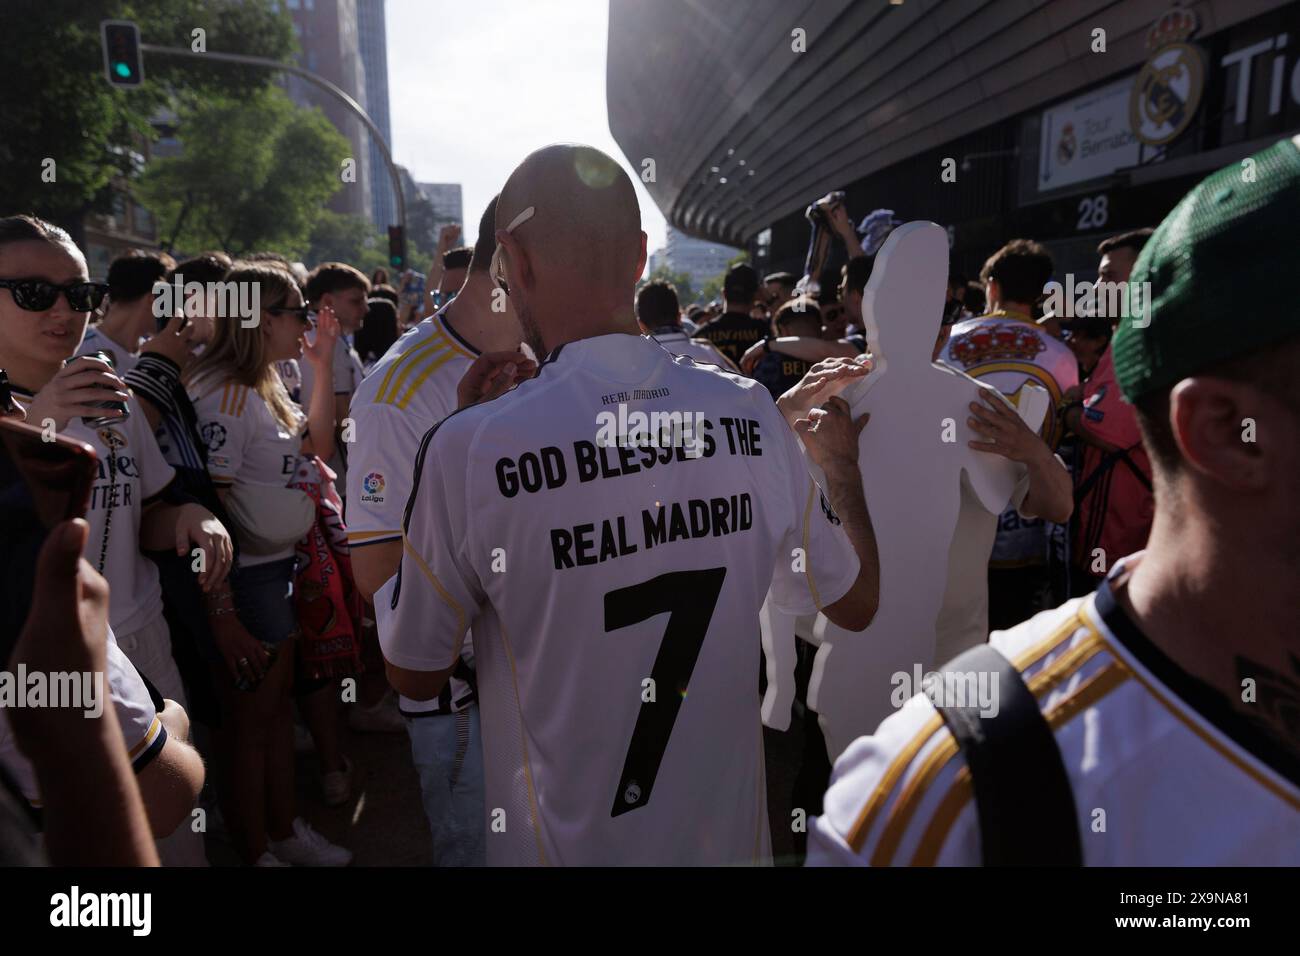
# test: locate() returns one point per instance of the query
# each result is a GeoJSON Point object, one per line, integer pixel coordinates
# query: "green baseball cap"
{"type": "Point", "coordinates": [1220, 271]}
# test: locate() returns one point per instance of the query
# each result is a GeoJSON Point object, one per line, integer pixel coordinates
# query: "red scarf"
{"type": "Point", "coordinates": [328, 603]}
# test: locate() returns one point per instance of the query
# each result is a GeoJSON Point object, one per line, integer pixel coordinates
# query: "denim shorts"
{"type": "Point", "coordinates": [264, 600]}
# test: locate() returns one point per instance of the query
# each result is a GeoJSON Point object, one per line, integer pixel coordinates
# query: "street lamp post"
{"type": "Point", "coordinates": [320, 81]}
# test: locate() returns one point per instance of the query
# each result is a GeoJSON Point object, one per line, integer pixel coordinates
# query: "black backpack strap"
{"type": "Point", "coordinates": [1022, 792]}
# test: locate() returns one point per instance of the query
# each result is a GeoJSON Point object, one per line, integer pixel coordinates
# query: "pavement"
{"type": "Point", "coordinates": [383, 821]}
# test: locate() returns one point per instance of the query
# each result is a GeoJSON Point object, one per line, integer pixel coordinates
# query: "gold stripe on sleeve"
{"type": "Point", "coordinates": [1090, 693]}
{"type": "Point", "coordinates": [862, 826]}
{"type": "Point", "coordinates": [905, 806]}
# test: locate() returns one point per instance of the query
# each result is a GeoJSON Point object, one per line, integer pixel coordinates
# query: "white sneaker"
{"type": "Point", "coordinates": [270, 859]}
{"type": "Point", "coordinates": [308, 848]}
{"type": "Point", "coordinates": [337, 785]}
{"type": "Point", "coordinates": [383, 718]}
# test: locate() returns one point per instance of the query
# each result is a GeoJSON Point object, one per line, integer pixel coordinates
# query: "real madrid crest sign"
{"type": "Point", "coordinates": [1167, 91]}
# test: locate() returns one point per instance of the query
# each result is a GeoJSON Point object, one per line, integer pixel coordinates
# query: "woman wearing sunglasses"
{"type": "Point", "coordinates": [135, 505]}
{"type": "Point", "coordinates": [254, 433]}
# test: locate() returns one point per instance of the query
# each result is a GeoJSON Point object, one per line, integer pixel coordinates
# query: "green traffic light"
{"type": "Point", "coordinates": [396, 260]}
{"type": "Point", "coordinates": [122, 70]}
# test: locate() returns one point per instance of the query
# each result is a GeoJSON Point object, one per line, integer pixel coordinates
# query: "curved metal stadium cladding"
{"type": "Point", "coordinates": [744, 131]}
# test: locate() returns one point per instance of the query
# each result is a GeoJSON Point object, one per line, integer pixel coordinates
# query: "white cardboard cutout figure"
{"type": "Point", "coordinates": [913, 481]}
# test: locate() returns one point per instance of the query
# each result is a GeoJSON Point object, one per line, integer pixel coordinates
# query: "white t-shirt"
{"type": "Point", "coordinates": [96, 341]}
{"type": "Point", "coordinates": [130, 476]}
{"type": "Point", "coordinates": [291, 375]}
{"type": "Point", "coordinates": [701, 350]}
{"type": "Point", "coordinates": [142, 732]}
{"type": "Point", "coordinates": [409, 390]}
{"type": "Point", "coordinates": [246, 444]}
{"type": "Point", "coordinates": [614, 595]}
{"type": "Point", "coordinates": [1183, 781]}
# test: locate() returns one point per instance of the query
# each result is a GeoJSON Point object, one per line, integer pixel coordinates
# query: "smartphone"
{"type": "Point", "coordinates": [42, 483]}
{"type": "Point", "coordinates": [163, 319]}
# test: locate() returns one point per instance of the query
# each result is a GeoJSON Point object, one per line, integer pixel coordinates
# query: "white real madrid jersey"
{"type": "Point", "coordinates": [246, 444]}
{"type": "Point", "coordinates": [1163, 772]}
{"type": "Point", "coordinates": [409, 390]}
{"type": "Point", "coordinates": [131, 474]}
{"type": "Point", "coordinates": [614, 593]}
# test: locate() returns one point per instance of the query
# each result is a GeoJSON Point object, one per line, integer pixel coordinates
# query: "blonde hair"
{"type": "Point", "coordinates": [238, 353]}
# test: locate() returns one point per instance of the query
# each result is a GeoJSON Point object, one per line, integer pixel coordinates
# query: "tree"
{"type": "Point", "coordinates": [422, 225]}
{"type": "Point", "coordinates": [55, 104]}
{"type": "Point", "coordinates": [712, 289]}
{"type": "Point", "coordinates": [680, 280]}
{"type": "Point", "coordinates": [254, 174]}
{"type": "Point", "coordinates": [339, 237]}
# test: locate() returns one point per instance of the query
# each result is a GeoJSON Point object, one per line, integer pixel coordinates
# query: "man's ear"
{"type": "Point", "coordinates": [641, 258]}
{"type": "Point", "coordinates": [1214, 423]}
{"type": "Point", "coordinates": [521, 268]}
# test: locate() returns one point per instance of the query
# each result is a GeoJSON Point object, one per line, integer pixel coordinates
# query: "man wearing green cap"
{"type": "Point", "coordinates": [1173, 692]}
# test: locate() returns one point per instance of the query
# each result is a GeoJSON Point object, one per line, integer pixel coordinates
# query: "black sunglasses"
{"type": "Point", "coordinates": [302, 312]}
{"type": "Point", "coordinates": [37, 295]}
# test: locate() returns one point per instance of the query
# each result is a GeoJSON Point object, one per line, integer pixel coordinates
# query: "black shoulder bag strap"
{"type": "Point", "coordinates": [1022, 793]}
{"type": "Point", "coordinates": [1106, 464]}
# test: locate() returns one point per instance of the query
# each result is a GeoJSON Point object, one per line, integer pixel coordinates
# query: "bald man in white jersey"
{"type": "Point", "coordinates": [612, 564]}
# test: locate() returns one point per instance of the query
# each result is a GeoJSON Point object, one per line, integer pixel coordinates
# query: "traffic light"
{"type": "Point", "coordinates": [122, 62]}
{"type": "Point", "coordinates": [396, 247]}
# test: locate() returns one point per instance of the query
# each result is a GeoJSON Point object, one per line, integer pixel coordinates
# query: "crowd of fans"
{"type": "Point", "coordinates": [235, 442]}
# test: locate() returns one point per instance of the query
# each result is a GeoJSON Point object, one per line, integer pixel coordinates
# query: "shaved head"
{"type": "Point", "coordinates": [582, 246]}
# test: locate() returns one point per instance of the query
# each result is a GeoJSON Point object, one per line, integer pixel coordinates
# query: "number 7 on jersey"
{"type": "Point", "coordinates": [689, 597]}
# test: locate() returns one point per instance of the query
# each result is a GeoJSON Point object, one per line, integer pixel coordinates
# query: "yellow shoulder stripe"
{"type": "Point", "coordinates": [858, 834]}
{"type": "Point", "coordinates": [440, 359]}
{"type": "Point", "coordinates": [1088, 694]}
{"type": "Point", "coordinates": [915, 789]}
{"type": "Point", "coordinates": [399, 370]}
{"type": "Point", "coordinates": [862, 826]}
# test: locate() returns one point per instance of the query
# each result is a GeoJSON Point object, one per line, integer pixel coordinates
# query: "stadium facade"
{"type": "Point", "coordinates": [1065, 121]}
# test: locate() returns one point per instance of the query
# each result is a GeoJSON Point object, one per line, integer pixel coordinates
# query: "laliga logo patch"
{"type": "Point", "coordinates": [983, 344]}
{"type": "Point", "coordinates": [373, 486]}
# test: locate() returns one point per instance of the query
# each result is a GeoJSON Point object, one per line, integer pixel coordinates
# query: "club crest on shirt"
{"type": "Point", "coordinates": [373, 487]}
{"type": "Point", "coordinates": [112, 438]}
{"type": "Point", "coordinates": [984, 343]}
{"type": "Point", "coordinates": [214, 435]}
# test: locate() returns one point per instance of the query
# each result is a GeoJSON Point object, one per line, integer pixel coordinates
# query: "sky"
{"type": "Point", "coordinates": [474, 87]}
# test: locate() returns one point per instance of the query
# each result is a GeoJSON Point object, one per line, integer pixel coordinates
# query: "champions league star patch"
{"type": "Point", "coordinates": [373, 487]}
